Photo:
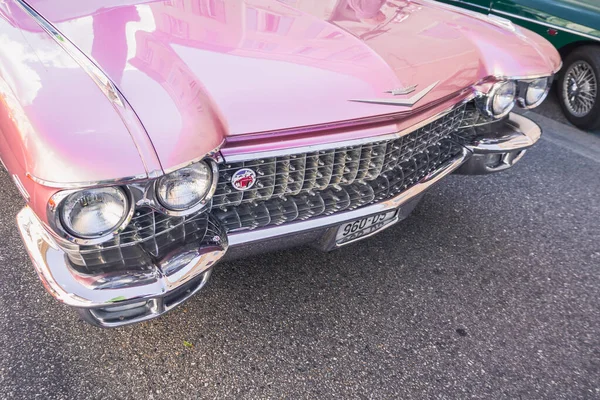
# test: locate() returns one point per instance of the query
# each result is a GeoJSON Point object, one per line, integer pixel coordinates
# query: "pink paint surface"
{"type": "Point", "coordinates": [54, 122]}
{"type": "Point", "coordinates": [200, 72]}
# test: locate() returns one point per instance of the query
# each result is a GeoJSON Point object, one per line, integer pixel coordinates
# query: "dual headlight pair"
{"type": "Point", "coordinates": [503, 96]}
{"type": "Point", "coordinates": [97, 212]}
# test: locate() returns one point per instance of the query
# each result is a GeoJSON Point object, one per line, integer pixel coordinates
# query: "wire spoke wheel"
{"type": "Point", "coordinates": [580, 88]}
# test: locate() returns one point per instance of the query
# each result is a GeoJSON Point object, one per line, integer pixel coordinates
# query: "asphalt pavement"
{"type": "Point", "coordinates": [491, 289]}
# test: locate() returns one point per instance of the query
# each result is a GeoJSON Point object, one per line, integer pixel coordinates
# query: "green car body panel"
{"type": "Point", "coordinates": [575, 22]}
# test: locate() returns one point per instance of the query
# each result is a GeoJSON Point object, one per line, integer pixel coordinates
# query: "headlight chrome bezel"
{"type": "Point", "coordinates": [523, 87]}
{"type": "Point", "coordinates": [151, 194]}
{"type": "Point", "coordinates": [55, 210]}
{"type": "Point", "coordinates": [138, 194]}
{"type": "Point", "coordinates": [486, 102]}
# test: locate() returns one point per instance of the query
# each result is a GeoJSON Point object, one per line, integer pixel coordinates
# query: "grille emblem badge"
{"type": "Point", "coordinates": [243, 179]}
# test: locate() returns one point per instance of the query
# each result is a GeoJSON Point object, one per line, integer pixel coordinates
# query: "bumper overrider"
{"type": "Point", "coordinates": [120, 296]}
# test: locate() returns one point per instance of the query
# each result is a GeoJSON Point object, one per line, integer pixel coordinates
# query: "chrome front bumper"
{"type": "Point", "coordinates": [106, 304]}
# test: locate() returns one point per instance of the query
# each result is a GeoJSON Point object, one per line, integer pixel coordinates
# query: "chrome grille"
{"type": "Point", "coordinates": [306, 185]}
{"type": "Point", "coordinates": [277, 211]}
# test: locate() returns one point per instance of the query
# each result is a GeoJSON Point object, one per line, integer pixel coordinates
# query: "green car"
{"type": "Point", "coordinates": [573, 27]}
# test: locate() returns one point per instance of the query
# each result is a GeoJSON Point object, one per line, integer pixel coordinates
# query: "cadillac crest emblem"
{"type": "Point", "coordinates": [243, 179]}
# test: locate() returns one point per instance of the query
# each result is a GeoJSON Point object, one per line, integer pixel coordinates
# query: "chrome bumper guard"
{"type": "Point", "coordinates": [496, 150]}
{"type": "Point", "coordinates": [115, 301]}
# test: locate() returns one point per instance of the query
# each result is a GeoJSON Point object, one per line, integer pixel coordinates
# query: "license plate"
{"type": "Point", "coordinates": [364, 227]}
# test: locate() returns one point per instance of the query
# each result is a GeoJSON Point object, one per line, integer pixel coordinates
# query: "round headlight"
{"type": "Point", "coordinates": [185, 188]}
{"type": "Point", "coordinates": [93, 213]}
{"type": "Point", "coordinates": [536, 92]}
{"type": "Point", "coordinates": [502, 99]}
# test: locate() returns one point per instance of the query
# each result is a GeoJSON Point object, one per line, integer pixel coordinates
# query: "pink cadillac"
{"type": "Point", "coordinates": [152, 139]}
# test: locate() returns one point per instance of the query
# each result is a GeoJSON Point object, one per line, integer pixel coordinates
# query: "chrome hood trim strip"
{"type": "Point", "coordinates": [409, 102]}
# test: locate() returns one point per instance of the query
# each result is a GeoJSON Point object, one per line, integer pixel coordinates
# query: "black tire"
{"type": "Point", "coordinates": [590, 55]}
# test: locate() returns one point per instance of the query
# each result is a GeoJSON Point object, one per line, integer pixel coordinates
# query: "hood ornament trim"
{"type": "Point", "coordinates": [409, 102]}
{"type": "Point", "coordinates": [403, 90]}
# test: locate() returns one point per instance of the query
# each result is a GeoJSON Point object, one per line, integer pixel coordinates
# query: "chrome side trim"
{"type": "Point", "coordinates": [130, 119]}
{"type": "Point", "coordinates": [236, 239]}
{"type": "Point", "coordinates": [481, 14]}
{"type": "Point", "coordinates": [87, 185]}
{"type": "Point", "coordinates": [506, 23]}
{"type": "Point", "coordinates": [529, 77]}
{"type": "Point", "coordinates": [557, 27]}
{"type": "Point", "coordinates": [370, 139]}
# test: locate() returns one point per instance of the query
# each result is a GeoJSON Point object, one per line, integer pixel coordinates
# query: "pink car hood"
{"type": "Point", "coordinates": [198, 72]}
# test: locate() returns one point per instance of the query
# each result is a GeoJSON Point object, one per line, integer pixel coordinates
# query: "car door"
{"type": "Point", "coordinates": [482, 6]}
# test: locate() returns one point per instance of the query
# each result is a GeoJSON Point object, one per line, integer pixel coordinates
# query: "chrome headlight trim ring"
{"type": "Point", "coordinates": [485, 101]}
{"type": "Point", "coordinates": [523, 86]}
{"type": "Point", "coordinates": [54, 210]}
{"type": "Point", "coordinates": [151, 198]}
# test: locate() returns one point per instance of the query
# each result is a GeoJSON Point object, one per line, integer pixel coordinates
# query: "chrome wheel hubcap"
{"type": "Point", "coordinates": [580, 88]}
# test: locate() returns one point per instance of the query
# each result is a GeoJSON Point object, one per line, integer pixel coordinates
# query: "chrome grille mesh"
{"type": "Point", "coordinates": [306, 185]}
{"type": "Point", "coordinates": [303, 206]}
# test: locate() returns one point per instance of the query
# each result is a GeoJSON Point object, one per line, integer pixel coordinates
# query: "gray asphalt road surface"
{"type": "Point", "coordinates": [489, 290]}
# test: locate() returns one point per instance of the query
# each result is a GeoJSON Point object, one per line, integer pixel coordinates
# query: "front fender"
{"type": "Point", "coordinates": [58, 128]}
